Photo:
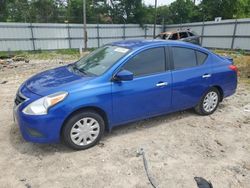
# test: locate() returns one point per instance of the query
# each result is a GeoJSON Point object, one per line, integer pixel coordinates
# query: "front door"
{"type": "Point", "coordinates": [149, 93]}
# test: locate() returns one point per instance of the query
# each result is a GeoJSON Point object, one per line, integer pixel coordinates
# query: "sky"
{"type": "Point", "coordinates": [159, 2]}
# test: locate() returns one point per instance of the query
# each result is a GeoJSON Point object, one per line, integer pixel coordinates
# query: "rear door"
{"type": "Point", "coordinates": [149, 93]}
{"type": "Point", "coordinates": [191, 72]}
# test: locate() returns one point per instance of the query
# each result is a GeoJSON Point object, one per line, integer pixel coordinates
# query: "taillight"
{"type": "Point", "coordinates": [234, 68]}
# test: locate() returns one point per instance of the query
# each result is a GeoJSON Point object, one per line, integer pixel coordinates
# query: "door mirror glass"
{"type": "Point", "coordinates": [124, 75]}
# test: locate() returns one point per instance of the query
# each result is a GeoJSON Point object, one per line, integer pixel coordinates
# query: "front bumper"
{"type": "Point", "coordinates": [38, 128]}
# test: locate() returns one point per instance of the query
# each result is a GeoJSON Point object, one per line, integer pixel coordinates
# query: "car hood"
{"type": "Point", "coordinates": [54, 80]}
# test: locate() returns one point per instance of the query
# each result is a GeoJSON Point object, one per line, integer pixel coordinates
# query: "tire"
{"type": "Point", "coordinates": [209, 102]}
{"type": "Point", "coordinates": [83, 130]}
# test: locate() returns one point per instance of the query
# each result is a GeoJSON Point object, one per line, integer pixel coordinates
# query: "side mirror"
{"type": "Point", "coordinates": [124, 75]}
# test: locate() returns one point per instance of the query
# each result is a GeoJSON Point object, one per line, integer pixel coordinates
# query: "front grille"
{"type": "Point", "coordinates": [19, 98]}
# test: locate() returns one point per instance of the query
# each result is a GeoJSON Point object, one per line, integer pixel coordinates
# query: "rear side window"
{"type": "Point", "coordinates": [147, 62]}
{"type": "Point", "coordinates": [201, 57]}
{"type": "Point", "coordinates": [183, 35]}
{"type": "Point", "coordinates": [183, 57]}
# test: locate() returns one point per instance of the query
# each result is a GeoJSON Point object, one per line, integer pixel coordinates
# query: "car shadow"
{"type": "Point", "coordinates": [34, 149]}
{"type": "Point", "coordinates": [148, 123]}
{"type": "Point", "coordinates": [40, 150]}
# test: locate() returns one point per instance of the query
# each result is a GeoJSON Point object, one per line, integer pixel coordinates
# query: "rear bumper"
{"type": "Point", "coordinates": [228, 93]}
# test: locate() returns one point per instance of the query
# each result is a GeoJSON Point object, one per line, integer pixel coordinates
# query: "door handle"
{"type": "Point", "coordinates": [161, 84]}
{"type": "Point", "coordinates": [206, 75]}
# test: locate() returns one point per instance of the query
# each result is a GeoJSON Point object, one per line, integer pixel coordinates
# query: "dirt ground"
{"type": "Point", "coordinates": [178, 147]}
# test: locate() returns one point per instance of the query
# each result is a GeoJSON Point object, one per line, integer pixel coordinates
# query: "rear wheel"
{"type": "Point", "coordinates": [209, 102]}
{"type": "Point", "coordinates": [83, 130]}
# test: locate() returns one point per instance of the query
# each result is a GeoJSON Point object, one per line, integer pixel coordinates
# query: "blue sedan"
{"type": "Point", "coordinates": [120, 83]}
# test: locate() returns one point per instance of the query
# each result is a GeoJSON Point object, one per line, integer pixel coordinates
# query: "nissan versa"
{"type": "Point", "coordinates": [119, 83]}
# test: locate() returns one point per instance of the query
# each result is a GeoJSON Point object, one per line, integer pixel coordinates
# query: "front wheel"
{"type": "Point", "coordinates": [209, 102]}
{"type": "Point", "coordinates": [83, 130]}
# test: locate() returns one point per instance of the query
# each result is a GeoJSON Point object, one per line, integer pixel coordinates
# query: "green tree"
{"type": "Point", "coordinates": [128, 11]}
{"type": "Point", "coordinates": [3, 10]}
{"type": "Point", "coordinates": [163, 15]}
{"type": "Point", "coordinates": [227, 9]}
{"type": "Point", "coordinates": [18, 11]}
{"type": "Point", "coordinates": [243, 9]}
{"type": "Point", "coordinates": [184, 11]}
{"type": "Point", "coordinates": [44, 11]}
{"type": "Point", "coordinates": [120, 11]}
{"type": "Point", "coordinates": [94, 9]}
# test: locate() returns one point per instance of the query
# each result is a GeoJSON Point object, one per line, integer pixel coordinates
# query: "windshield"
{"type": "Point", "coordinates": [162, 36]}
{"type": "Point", "coordinates": [100, 60]}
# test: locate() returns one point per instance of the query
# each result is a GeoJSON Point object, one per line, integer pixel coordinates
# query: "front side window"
{"type": "Point", "coordinates": [147, 62]}
{"type": "Point", "coordinates": [183, 35]}
{"type": "Point", "coordinates": [183, 57]}
{"type": "Point", "coordinates": [174, 36]}
{"type": "Point", "coordinates": [100, 60]}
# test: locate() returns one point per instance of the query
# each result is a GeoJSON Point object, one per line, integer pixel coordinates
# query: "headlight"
{"type": "Point", "coordinates": [41, 106]}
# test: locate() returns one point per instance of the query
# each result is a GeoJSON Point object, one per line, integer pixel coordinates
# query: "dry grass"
{"type": "Point", "coordinates": [242, 61]}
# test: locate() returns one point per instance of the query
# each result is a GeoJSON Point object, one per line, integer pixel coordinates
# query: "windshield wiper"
{"type": "Point", "coordinates": [74, 68]}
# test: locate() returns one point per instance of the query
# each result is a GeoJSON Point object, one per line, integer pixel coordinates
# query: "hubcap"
{"type": "Point", "coordinates": [85, 131]}
{"type": "Point", "coordinates": [210, 101]}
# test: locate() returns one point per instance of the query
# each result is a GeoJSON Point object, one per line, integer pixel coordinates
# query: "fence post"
{"type": "Point", "coordinates": [202, 32]}
{"type": "Point", "coordinates": [234, 32]}
{"type": "Point", "coordinates": [145, 30]}
{"type": "Point", "coordinates": [163, 25]}
{"type": "Point", "coordinates": [98, 35]}
{"type": "Point", "coordinates": [69, 38]}
{"type": "Point", "coordinates": [32, 36]}
{"type": "Point", "coordinates": [124, 32]}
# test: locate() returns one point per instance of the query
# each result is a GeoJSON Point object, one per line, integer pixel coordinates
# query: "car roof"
{"type": "Point", "coordinates": [168, 32]}
{"type": "Point", "coordinates": [136, 44]}
{"type": "Point", "coordinates": [176, 31]}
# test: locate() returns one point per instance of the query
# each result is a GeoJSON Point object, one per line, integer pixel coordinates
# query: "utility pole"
{"type": "Point", "coordinates": [155, 16]}
{"type": "Point", "coordinates": [85, 26]}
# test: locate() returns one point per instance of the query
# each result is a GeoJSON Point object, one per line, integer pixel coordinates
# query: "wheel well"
{"type": "Point", "coordinates": [220, 91]}
{"type": "Point", "coordinates": [90, 108]}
